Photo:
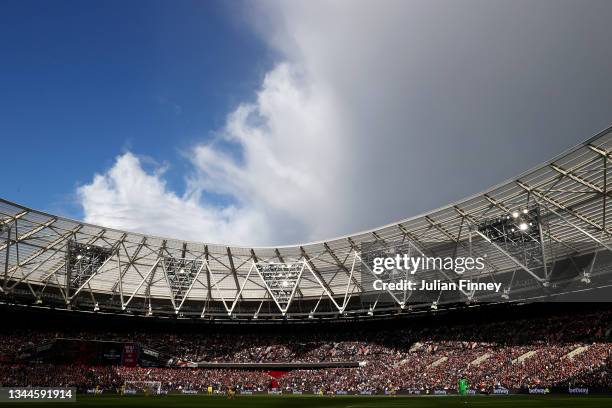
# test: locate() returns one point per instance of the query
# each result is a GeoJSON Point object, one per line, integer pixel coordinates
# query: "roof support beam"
{"type": "Point", "coordinates": [559, 205]}
{"type": "Point", "coordinates": [240, 289]}
{"type": "Point", "coordinates": [600, 151]}
{"type": "Point", "coordinates": [412, 242]}
{"type": "Point", "coordinates": [130, 263]}
{"type": "Point", "coordinates": [585, 232]}
{"type": "Point", "coordinates": [316, 272]}
{"type": "Point", "coordinates": [12, 218]}
{"type": "Point", "coordinates": [576, 178]}
{"type": "Point", "coordinates": [471, 220]}
{"type": "Point", "coordinates": [162, 249]}
{"type": "Point", "coordinates": [234, 273]}
{"type": "Point", "coordinates": [342, 266]}
{"type": "Point", "coordinates": [114, 251]}
{"type": "Point", "coordinates": [157, 261]}
{"type": "Point", "coordinates": [61, 239]}
{"type": "Point", "coordinates": [28, 234]}
{"type": "Point", "coordinates": [206, 256]}
{"type": "Point", "coordinates": [509, 256]}
{"type": "Point", "coordinates": [195, 278]}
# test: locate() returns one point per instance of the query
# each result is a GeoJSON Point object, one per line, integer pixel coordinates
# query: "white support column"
{"type": "Point", "coordinates": [348, 283]}
{"type": "Point", "coordinates": [168, 285]}
{"type": "Point", "coordinates": [282, 309]}
{"type": "Point", "coordinates": [324, 288]}
{"type": "Point", "coordinates": [239, 294]}
{"type": "Point", "coordinates": [216, 286]}
{"type": "Point", "coordinates": [141, 283]}
{"type": "Point", "coordinates": [193, 281]}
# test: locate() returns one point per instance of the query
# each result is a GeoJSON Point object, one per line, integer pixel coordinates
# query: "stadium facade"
{"type": "Point", "coordinates": [543, 235]}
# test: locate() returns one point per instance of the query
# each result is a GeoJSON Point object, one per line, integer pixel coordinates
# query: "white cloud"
{"type": "Point", "coordinates": [128, 197]}
{"type": "Point", "coordinates": [282, 181]}
{"type": "Point", "coordinates": [377, 111]}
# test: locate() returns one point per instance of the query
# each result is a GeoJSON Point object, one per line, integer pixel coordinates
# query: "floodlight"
{"type": "Point", "coordinates": [586, 278]}
{"type": "Point", "coordinates": [523, 226]}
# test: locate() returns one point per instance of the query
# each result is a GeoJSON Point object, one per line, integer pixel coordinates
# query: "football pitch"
{"type": "Point", "coordinates": [291, 401]}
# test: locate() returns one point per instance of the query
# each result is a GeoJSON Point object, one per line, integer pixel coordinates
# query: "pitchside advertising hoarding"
{"type": "Point", "coordinates": [389, 392]}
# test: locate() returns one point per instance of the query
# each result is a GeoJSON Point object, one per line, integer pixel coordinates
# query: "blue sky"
{"type": "Point", "coordinates": [83, 81]}
{"type": "Point", "coordinates": [278, 122]}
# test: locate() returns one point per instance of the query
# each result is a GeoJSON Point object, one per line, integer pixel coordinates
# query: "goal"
{"type": "Point", "coordinates": [144, 387]}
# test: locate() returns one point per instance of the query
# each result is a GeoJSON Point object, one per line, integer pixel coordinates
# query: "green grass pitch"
{"type": "Point", "coordinates": [291, 401]}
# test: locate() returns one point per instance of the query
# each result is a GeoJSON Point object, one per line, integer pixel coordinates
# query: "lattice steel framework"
{"type": "Point", "coordinates": [47, 260]}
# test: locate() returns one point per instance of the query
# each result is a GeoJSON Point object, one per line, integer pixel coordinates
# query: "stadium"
{"type": "Point", "coordinates": [130, 318]}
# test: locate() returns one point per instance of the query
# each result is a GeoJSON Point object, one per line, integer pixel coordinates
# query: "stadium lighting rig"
{"type": "Point", "coordinates": [506, 294]}
{"type": "Point", "coordinates": [83, 262]}
{"type": "Point", "coordinates": [586, 278]}
{"type": "Point", "coordinates": [180, 274]}
{"type": "Point", "coordinates": [281, 280]}
{"type": "Point", "coordinates": [519, 225]}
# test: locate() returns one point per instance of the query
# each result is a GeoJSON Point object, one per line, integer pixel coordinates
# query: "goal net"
{"type": "Point", "coordinates": [142, 387]}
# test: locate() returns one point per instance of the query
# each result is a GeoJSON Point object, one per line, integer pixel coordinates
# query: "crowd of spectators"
{"type": "Point", "coordinates": [565, 350]}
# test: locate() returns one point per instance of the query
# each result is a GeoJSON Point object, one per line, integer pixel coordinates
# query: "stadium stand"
{"type": "Point", "coordinates": [572, 348]}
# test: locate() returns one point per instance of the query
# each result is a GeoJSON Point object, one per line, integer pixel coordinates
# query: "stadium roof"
{"type": "Point", "coordinates": [55, 261]}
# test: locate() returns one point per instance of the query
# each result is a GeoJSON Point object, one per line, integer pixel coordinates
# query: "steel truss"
{"type": "Point", "coordinates": [124, 272]}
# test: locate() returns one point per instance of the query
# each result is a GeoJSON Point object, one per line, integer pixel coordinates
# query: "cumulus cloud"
{"type": "Point", "coordinates": [377, 111]}
{"type": "Point", "coordinates": [128, 197]}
